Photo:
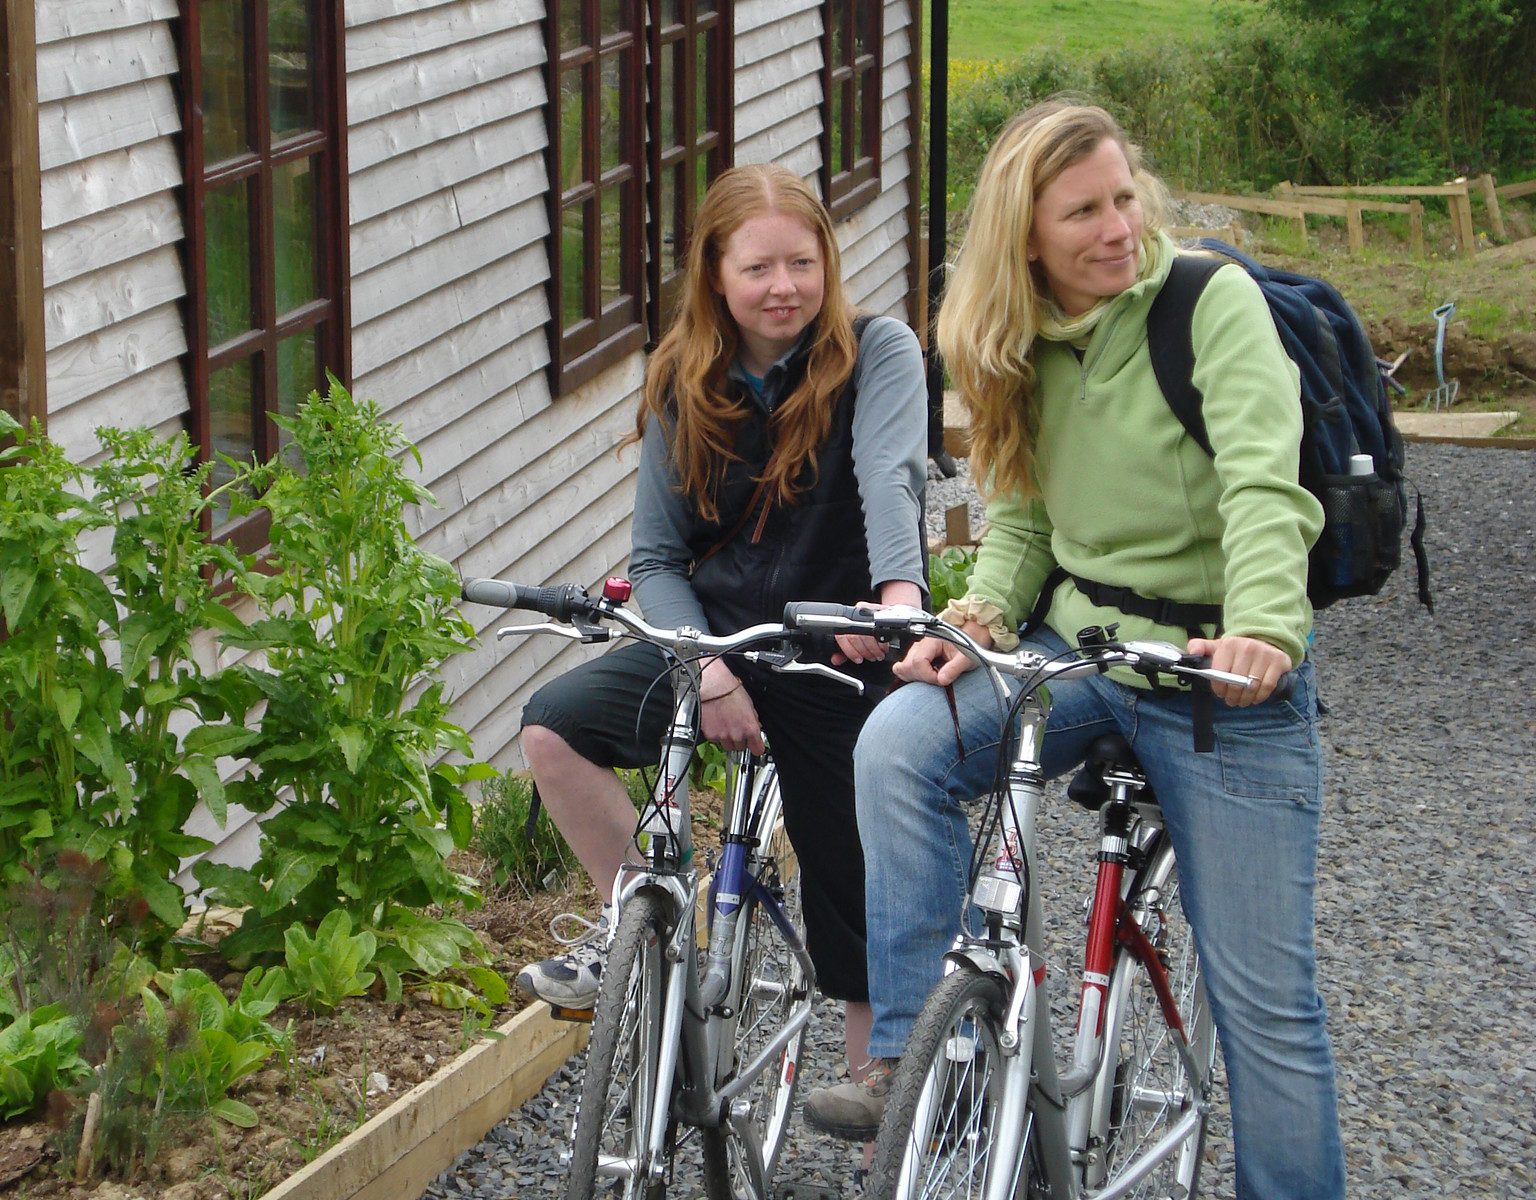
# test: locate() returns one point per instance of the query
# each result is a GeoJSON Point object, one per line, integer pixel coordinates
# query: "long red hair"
{"type": "Point", "coordinates": [685, 382]}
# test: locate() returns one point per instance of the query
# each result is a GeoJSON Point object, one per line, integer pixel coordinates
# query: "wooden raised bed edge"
{"type": "Point", "coordinates": [400, 1151]}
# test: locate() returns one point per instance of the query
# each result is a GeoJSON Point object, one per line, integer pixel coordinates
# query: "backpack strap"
{"type": "Point", "coordinates": [1171, 340]}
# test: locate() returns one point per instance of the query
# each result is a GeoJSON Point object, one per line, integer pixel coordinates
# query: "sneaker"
{"type": "Point", "coordinates": [571, 980]}
{"type": "Point", "coordinates": [852, 1110]}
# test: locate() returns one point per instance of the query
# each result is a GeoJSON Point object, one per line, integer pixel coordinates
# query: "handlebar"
{"type": "Point", "coordinates": [577, 615]}
{"type": "Point", "coordinates": [903, 625]}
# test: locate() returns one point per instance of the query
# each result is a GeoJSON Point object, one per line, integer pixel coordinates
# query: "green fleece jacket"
{"type": "Point", "coordinates": [1126, 497]}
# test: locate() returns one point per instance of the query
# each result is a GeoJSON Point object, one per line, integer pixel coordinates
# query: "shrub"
{"type": "Point", "coordinates": [501, 834]}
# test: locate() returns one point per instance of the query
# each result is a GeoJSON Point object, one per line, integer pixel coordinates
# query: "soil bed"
{"type": "Point", "coordinates": [306, 1106]}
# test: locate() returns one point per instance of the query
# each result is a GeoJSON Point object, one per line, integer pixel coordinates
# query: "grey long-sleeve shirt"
{"type": "Point", "coordinates": [890, 451]}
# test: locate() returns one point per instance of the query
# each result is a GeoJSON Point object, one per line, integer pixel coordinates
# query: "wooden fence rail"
{"type": "Point", "coordinates": [1299, 206]}
{"type": "Point", "coordinates": [1457, 198]}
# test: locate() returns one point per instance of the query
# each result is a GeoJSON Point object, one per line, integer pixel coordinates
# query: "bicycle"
{"type": "Point", "coordinates": [716, 1049]}
{"type": "Point", "coordinates": [977, 1103]}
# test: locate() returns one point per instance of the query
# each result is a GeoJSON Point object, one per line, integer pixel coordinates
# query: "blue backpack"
{"type": "Point", "coordinates": [1345, 415]}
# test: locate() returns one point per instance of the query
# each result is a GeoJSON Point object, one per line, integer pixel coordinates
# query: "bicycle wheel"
{"type": "Point", "coordinates": [1146, 1088]}
{"type": "Point", "coordinates": [937, 1135]}
{"type": "Point", "coordinates": [739, 1160]}
{"type": "Point", "coordinates": [619, 1090]}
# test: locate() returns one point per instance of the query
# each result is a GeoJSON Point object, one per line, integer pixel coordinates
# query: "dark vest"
{"type": "Point", "coordinates": [758, 556]}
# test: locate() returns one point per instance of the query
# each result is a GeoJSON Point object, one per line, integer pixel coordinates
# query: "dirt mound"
{"type": "Point", "coordinates": [1467, 358]}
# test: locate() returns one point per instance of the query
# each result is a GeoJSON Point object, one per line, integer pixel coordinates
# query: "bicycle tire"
{"type": "Point", "coordinates": [936, 1134]}
{"type": "Point", "coordinates": [1145, 1087]}
{"type": "Point", "coordinates": [773, 983]}
{"type": "Point", "coordinates": [619, 1087]}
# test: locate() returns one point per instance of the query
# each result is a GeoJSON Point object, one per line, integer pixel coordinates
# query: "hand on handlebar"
{"type": "Point", "coordinates": [1259, 660]}
{"type": "Point", "coordinates": [938, 662]}
{"type": "Point", "coordinates": [726, 713]}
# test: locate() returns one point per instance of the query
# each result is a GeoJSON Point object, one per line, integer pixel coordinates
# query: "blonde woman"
{"type": "Point", "coordinates": [782, 458]}
{"type": "Point", "coordinates": [1089, 472]}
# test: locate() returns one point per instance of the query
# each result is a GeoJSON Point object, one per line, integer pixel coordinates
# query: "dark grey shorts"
{"type": "Point", "coordinates": [614, 711]}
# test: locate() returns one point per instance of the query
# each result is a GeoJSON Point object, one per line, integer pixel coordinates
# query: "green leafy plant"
{"type": "Point", "coordinates": [39, 1052]}
{"type": "Point", "coordinates": [356, 622]}
{"type": "Point", "coordinates": [949, 574]}
{"type": "Point", "coordinates": [325, 969]}
{"type": "Point", "coordinates": [501, 835]}
{"type": "Point", "coordinates": [95, 669]}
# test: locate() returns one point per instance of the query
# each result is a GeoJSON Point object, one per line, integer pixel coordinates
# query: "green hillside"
{"type": "Point", "coordinates": [1000, 29]}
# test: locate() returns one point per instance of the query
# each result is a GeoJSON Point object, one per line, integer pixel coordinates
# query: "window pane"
{"type": "Point", "coordinates": [701, 179]}
{"type": "Point", "coordinates": [835, 129]}
{"type": "Point", "coordinates": [290, 47]}
{"type": "Point", "coordinates": [230, 428]}
{"type": "Point", "coordinates": [854, 134]}
{"type": "Point", "coordinates": [671, 56]}
{"type": "Point", "coordinates": [227, 214]}
{"type": "Point", "coordinates": [611, 110]}
{"type": "Point", "coordinates": [703, 80]}
{"type": "Point", "coordinates": [293, 226]}
{"type": "Point", "coordinates": [611, 261]}
{"type": "Point", "coordinates": [703, 8]}
{"type": "Point", "coordinates": [571, 26]}
{"type": "Point", "coordinates": [223, 51]}
{"type": "Point", "coordinates": [572, 263]}
{"type": "Point", "coordinates": [669, 12]}
{"type": "Point", "coordinates": [836, 18]}
{"type": "Point", "coordinates": [672, 232]}
{"type": "Point", "coordinates": [298, 374]}
{"type": "Point", "coordinates": [572, 122]}
{"type": "Point", "coordinates": [615, 17]}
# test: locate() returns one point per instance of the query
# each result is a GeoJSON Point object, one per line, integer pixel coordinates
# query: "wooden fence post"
{"type": "Point", "coordinates": [1355, 227]}
{"type": "Point", "coordinates": [1461, 222]}
{"type": "Point", "coordinates": [1416, 227]}
{"type": "Point", "coordinates": [1491, 199]}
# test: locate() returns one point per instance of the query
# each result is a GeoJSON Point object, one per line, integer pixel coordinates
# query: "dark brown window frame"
{"type": "Point", "coordinates": [330, 312]}
{"type": "Point", "coordinates": [594, 344]}
{"type": "Point", "coordinates": [715, 146]}
{"type": "Point", "coordinates": [858, 74]}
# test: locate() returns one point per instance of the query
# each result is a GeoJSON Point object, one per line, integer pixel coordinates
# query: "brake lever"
{"type": "Point", "coordinates": [795, 667]}
{"type": "Point", "coordinates": [585, 633]}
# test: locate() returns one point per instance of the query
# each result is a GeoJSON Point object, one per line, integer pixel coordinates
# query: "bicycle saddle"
{"type": "Point", "coordinates": [1108, 752]}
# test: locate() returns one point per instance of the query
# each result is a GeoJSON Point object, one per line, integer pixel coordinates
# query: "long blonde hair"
{"type": "Point", "coordinates": [685, 383]}
{"type": "Point", "coordinates": [996, 297]}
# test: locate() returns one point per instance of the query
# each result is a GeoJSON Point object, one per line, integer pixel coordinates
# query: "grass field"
{"type": "Point", "coordinates": [999, 29]}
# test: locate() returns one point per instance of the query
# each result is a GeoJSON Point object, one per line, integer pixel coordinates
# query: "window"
{"type": "Point", "coordinates": [266, 220]}
{"type": "Point", "coordinates": [853, 36]}
{"type": "Point", "coordinates": [690, 134]}
{"type": "Point", "coordinates": [638, 126]}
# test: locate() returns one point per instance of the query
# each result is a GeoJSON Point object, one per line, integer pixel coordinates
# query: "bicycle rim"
{"type": "Point", "coordinates": [739, 1159]}
{"type": "Point", "coordinates": [1146, 1088]}
{"type": "Point", "coordinates": [620, 1088]}
{"type": "Point", "coordinates": [937, 1135]}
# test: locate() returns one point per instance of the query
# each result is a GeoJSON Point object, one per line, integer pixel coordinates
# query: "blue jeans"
{"type": "Point", "coordinates": [1244, 822]}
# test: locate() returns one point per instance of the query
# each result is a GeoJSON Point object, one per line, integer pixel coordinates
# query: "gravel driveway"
{"type": "Point", "coordinates": [1427, 899]}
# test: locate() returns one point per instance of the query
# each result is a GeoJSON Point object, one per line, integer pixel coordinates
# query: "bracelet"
{"type": "Point", "coordinates": [720, 695]}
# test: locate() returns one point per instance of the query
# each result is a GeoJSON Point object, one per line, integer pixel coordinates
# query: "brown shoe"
{"type": "Point", "coordinates": [852, 1110]}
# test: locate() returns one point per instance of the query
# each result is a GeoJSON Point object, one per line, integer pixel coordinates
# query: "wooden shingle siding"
{"type": "Point", "coordinates": [118, 235]}
{"type": "Point", "coordinates": [61, 19]}
{"type": "Point", "coordinates": [111, 217]}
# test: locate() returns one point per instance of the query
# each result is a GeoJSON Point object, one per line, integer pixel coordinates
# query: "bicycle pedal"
{"type": "Point", "coordinates": [581, 1016]}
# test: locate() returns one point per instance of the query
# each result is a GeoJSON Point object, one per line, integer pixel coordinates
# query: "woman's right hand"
{"type": "Point", "coordinates": [938, 662]}
{"type": "Point", "coordinates": [726, 713]}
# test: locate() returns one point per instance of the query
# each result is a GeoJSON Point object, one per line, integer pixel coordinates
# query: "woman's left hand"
{"type": "Point", "coordinates": [1260, 661]}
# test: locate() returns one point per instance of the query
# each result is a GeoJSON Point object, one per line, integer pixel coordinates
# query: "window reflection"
{"type": "Point", "coordinates": [223, 69]}
{"type": "Point", "coordinates": [227, 261]}
{"type": "Point", "coordinates": [290, 45]}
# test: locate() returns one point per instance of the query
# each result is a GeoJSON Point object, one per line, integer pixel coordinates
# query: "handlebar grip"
{"type": "Point", "coordinates": [800, 612]}
{"type": "Point", "coordinates": [559, 602]}
{"type": "Point", "coordinates": [1285, 687]}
